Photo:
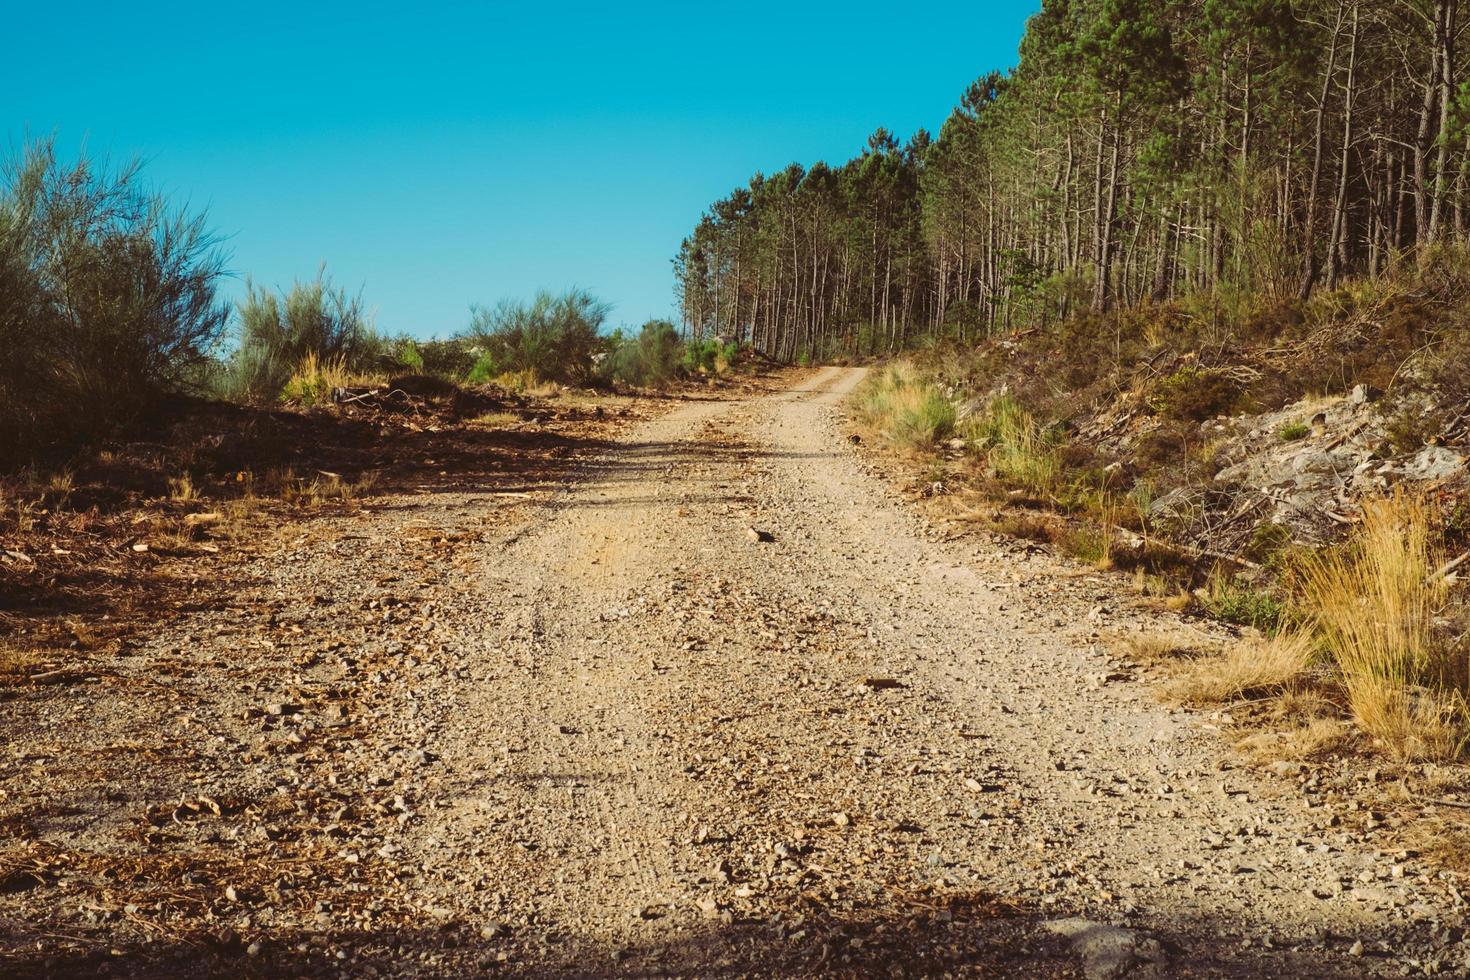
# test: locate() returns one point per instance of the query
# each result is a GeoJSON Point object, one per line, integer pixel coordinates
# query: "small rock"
{"type": "Point", "coordinates": [1356, 949]}
{"type": "Point", "coordinates": [757, 536]}
{"type": "Point", "coordinates": [1434, 463]}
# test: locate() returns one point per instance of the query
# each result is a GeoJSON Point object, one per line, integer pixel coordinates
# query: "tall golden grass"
{"type": "Point", "coordinates": [1372, 606]}
{"type": "Point", "coordinates": [1366, 612]}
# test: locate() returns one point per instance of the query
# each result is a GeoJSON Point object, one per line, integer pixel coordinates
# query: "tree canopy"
{"type": "Point", "coordinates": [1139, 151]}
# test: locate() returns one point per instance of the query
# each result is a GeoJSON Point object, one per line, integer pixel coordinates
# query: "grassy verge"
{"type": "Point", "coordinates": [1370, 631]}
{"type": "Point", "coordinates": [1363, 632]}
{"type": "Point", "coordinates": [906, 409]}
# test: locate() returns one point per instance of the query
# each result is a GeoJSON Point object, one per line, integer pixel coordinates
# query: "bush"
{"type": "Point", "coordinates": [279, 333]}
{"type": "Point", "coordinates": [709, 356]}
{"type": "Point", "coordinates": [448, 360]}
{"type": "Point", "coordinates": [107, 300]}
{"type": "Point", "coordinates": [652, 358]}
{"type": "Point", "coordinates": [409, 356]}
{"type": "Point", "coordinates": [451, 360]}
{"type": "Point", "coordinates": [907, 409]}
{"type": "Point", "coordinates": [1234, 601]}
{"type": "Point", "coordinates": [314, 379]}
{"type": "Point", "coordinates": [1195, 394]}
{"type": "Point", "coordinates": [482, 371]}
{"type": "Point", "coordinates": [553, 337]}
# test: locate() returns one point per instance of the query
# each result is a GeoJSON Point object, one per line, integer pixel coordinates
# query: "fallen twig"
{"type": "Point", "coordinates": [1449, 566]}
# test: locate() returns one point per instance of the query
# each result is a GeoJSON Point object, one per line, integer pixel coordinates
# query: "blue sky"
{"type": "Point", "coordinates": [439, 155]}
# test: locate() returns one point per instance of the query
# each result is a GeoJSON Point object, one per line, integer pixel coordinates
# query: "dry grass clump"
{"type": "Point", "coordinates": [1151, 649]}
{"type": "Point", "coordinates": [15, 662]}
{"type": "Point", "coordinates": [907, 410]}
{"type": "Point", "coordinates": [1165, 591]}
{"type": "Point", "coordinates": [1093, 543]}
{"type": "Point", "coordinates": [1024, 525]}
{"type": "Point", "coordinates": [181, 489]}
{"type": "Point", "coordinates": [1440, 831]}
{"type": "Point", "coordinates": [321, 487]}
{"type": "Point", "coordinates": [315, 377]}
{"type": "Point", "coordinates": [21, 515]}
{"type": "Point", "coordinates": [1367, 613]}
{"type": "Point", "coordinates": [1372, 606]}
{"type": "Point", "coordinates": [1258, 665]}
{"type": "Point", "coordinates": [1316, 738]}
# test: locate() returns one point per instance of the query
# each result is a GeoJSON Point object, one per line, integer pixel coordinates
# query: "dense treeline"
{"type": "Point", "coordinates": [1139, 151]}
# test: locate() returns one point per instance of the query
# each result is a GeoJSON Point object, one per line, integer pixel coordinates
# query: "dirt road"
{"type": "Point", "coordinates": [616, 735]}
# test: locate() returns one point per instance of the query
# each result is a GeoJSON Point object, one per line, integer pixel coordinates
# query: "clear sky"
{"type": "Point", "coordinates": [438, 155]}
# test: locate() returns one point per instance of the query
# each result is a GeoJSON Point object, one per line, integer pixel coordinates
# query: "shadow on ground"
{"type": "Point", "coordinates": [971, 935]}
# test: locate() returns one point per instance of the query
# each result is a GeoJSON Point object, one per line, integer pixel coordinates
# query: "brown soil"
{"type": "Point", "coordinates": [579, 721]}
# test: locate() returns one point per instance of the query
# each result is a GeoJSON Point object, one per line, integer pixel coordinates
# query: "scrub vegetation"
{"type": "Point", "coordinates": [1183, 294]}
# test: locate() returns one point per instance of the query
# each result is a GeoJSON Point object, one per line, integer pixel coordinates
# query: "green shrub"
{"type": "Point", "coordinates": [1293, 431]}
{"type": "Point", "coordinates": [409, 356]}
{"type": "Point", "coordinates": [709, 356]}
{"type": "Point", "coordinates": [924, 417]}
{"type": "Point", "coordinates": [1411, 427]}
{"type": "Point", "coordinates": [483, 371]}
{"type": "Point", "coordinates": [554, 338]}
{"type": "Point", "coordinates": [652, 358]}
{"type": "Point", "coordinates": [107, 300]}
{"type": "Point", "coordinates": [449, 359]}
{"type": "Point", "coordinates": [1267, 541]}
{"type": "Point", "coordinates": [279, 332]}
{"type": "Point", "coordinates": [1090, 543]}
{"type": "Point", "coordinates": [1019, 449]}
{"type": "Point", "coordinates": [1194, 394]}
{"type": "Point", "coordinates": [1234, 601]}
